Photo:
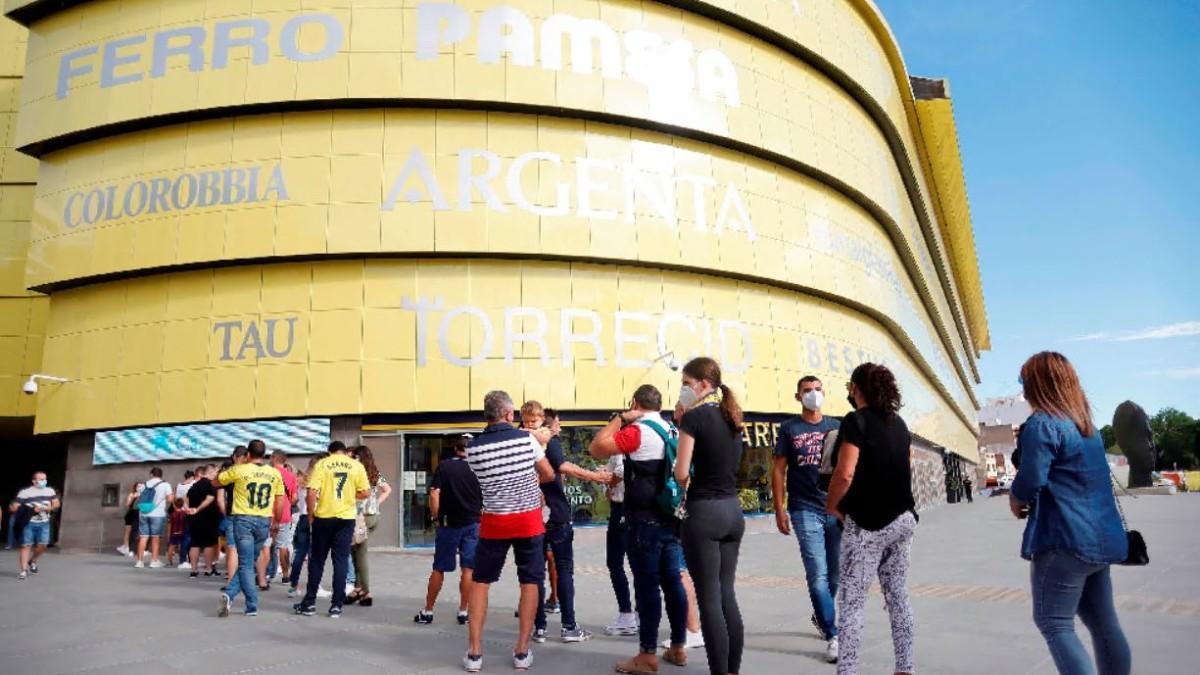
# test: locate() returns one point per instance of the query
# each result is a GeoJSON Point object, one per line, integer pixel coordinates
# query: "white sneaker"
{"type": "Point", "coordinates": [523, 661]}
{"type": "Point", "coordinates": [123, 550]}
{"type": "Point", "coordinates": [156, 564]}
{"type": "Point", "coordinates": [139, 564]}
{"type": "Point", "coordinates": [472, 664]}
{"type": "Point", "coordinates": [831, 650]}
{"type": "Point", "coordinates": [693, 641]}
{"type": "Point", "coordinates": [322, 593]}
{"type": "Point", "coordinates": [184, 566]}
{"type": "Point", "coordinates": [624, 624]}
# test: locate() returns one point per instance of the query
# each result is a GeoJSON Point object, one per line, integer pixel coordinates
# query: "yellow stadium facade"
{"type": "Point", "coordinates": [352, 218]}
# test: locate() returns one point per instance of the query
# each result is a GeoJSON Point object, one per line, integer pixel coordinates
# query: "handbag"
{"type": "Point", "coordinates": [360, 529]}
{"type": "Point", "coordinates": [1138, 553]}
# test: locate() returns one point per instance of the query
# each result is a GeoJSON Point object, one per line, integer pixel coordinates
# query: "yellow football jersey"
{"type": "Point", "coordinates": [255, 487]}
{"type": "Point", "coordinates": [337, 478]}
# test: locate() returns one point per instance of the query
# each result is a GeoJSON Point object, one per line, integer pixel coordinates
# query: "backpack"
{"type": "Point", "coordinates": [148, 499]}
{"type": "Point", "coordinates": [829, 453]}
{"type": "Point", "coordinates": [670, 496]}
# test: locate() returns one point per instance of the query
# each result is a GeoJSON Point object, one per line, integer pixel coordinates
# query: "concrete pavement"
{"type": "Point", "coordinates": [96, 614]}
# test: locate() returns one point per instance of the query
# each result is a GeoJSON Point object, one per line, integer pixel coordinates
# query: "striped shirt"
{"type": "Point", "coordinates": [36, 496]}
{"type": "Point", "coordinates": [503, 460]}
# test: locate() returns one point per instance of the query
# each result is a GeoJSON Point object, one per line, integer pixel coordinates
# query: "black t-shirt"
{"type": "Point", "coordinates": [882, 487]}
{"type": "Point", "coordinates": [460, 499]}
{"type": "Point", "coordinates": [196, 495]}
{"type": "Point", "coordinates": [717, 453]}
{"type": "Point", "coordinates": [556, 496]}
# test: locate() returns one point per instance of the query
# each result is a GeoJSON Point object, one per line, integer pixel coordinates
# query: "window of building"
{"type": "Point", "coordinates": [110, 495]}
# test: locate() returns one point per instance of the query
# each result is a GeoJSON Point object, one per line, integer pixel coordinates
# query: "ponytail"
{"type": "Point", "coordinates": [704, 368]}
{"type": "Point", "coordinates": [730, 410]}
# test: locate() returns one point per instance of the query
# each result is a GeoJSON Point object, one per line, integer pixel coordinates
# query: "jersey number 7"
{"type": "Point", "coordinates": [341, 477]}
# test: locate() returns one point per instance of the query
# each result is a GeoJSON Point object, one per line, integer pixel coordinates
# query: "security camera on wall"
{"type": "Point", "coordinates": [31, 385]}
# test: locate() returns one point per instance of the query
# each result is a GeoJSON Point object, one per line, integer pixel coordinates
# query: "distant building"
{"type": "Point", "coordinates": [999, 419]}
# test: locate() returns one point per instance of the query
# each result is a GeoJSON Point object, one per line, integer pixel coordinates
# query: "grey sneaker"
{"type": "Point", "coordinates": [33, 568]}
{"type": "Point", "coordinates": [252, 612]}
{"type": "Point", "coordinates": [522, 661]}
{"type": "Point", "coordinates": [472, 663]}
{"type": "Point", "coordinates": [226, 604]}
{"type": "Point", "coordinates": [539, 635]}
{"type": "Point", "coordinates": [22, 575]}
{"type": "Point", "coordinates": [817, 625]}
{"type": "Point", "coordinates": [576, 634]}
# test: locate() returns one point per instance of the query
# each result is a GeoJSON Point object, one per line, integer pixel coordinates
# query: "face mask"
{"type": "Point", "coordinates": [41, 483]}
{"type": "Point", "coordinates": [687, 396]}
{"type": "Point", "coordinates": [813, 399]}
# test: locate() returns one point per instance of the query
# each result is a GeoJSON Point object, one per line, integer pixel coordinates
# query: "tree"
{"type": "Point", "coordinates": [1110, 440]}
{"type": "Point", "coordinates": [1175, 437]}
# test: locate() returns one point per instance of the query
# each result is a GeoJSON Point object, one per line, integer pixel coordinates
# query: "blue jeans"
{"type": "Point", "coordinates": [561, 542]}
{"type": "Point", "coordinates": [249, 535]}
{"type": "Point", "coordinates": [301, 542]}
{"type": "Point", "coordinates": [616, 541]}
{"type": "Point", "coordinates": [1063, 587]}
{"type": "Point", "coordinates": [654, 555]}
{"type": "Point", "coordinates": [820, 538]}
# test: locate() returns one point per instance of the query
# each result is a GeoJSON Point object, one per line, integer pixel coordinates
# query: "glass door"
{"type": "Point", "coordinates": [417, 464]}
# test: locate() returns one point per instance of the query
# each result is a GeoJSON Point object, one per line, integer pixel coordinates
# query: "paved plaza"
{"type": "Point", "coordinates": [95, 614]}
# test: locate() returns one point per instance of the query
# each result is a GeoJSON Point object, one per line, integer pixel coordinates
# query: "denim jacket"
{"type": "Point", "coordinates": [1064, 478]}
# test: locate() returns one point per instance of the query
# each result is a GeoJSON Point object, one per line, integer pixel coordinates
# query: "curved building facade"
{"type": "Point", "coordinates": [355, 218]}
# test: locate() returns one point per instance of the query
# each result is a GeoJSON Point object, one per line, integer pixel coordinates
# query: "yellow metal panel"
{"type": "Point", "coordinates": [281, 389]}
{"type": "Point", "coordinates": [336, 335]}
{"type": "Point", "coordinates": [389, 385]}
{"type": "Point", "coordinates": [229, 392]}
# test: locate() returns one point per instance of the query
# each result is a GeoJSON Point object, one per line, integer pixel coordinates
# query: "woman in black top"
{"type": "Point", "coordinates": [871, 494]}
{"type": "Point", "coordinates": [710, 450]}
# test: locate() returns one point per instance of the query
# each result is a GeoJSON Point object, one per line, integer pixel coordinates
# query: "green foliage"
{"type": "Point", "coordinates": [1175, 435]}
{"type": "Point", "coordinates": [1110, 438]}
{"type": "Point", "coordinates": [1115, 450]}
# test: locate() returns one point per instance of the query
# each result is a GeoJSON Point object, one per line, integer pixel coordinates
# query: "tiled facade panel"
{"type": "Point", "coordinates": [351, 182]}
{"type": "Point", "coordinates": [361, 336]}
{"type": "Point", "coordinates": [91, 66]}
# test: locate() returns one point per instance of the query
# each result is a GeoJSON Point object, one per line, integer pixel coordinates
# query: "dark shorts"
{"type": "Point", "coordinates": [455, 544]}
{"type": "Point", "coordinates": [530, 553]}
{"type": "Point", "coordinates": [204, 532]}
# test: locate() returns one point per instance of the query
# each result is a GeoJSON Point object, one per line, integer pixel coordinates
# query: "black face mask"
{"type": "Point", "coordinates": [853, 404]}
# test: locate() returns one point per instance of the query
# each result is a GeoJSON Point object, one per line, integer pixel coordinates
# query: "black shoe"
{"type": "Point", "coordinates": [463, 618]}
{"type": "Point", "coordinates": [335, 612]}
{"type": "Point", "coordinates": [366, 602]}
{"type": "Point", "coordinates": [193, 575]}
{"type": "Point", "coordinates": [304, 610]}
{"type": "Point", "coordinates": [352, 598]}
{"type": "Point", "coordinates": [423, 617]}
{"type": "Point", "coordinates": [33, 568]}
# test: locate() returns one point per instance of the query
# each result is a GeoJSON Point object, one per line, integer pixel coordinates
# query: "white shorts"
{"type": "Point", "coordinates": [283, 539]}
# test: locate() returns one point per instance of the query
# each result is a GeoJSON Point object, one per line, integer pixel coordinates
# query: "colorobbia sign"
{"type": "Point", "coordinates": [667, 68]}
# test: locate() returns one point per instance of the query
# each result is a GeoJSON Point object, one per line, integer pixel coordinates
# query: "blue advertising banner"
{"type": "Point", "coordinates": [199, 441]}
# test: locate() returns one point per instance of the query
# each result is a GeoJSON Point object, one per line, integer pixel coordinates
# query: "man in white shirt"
{"type": "Point", "coordinates": [181, 492]}
{"type": "Point", "coordinates": [41, 500]}
{"type": "Point", "coordinates": [152, 517]}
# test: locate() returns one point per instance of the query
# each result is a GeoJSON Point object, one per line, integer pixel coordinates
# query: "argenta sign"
{"type": "Point", "coordinates": [665, 67]}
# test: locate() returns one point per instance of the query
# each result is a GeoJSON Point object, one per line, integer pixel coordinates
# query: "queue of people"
{"type": "Point", "coordinates": [843, 488]}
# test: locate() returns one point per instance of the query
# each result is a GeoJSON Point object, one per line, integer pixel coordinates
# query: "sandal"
{"type": "Point", "coordinates": [366, 600]}
{"type": "Point", "coordinates": [353, 597]}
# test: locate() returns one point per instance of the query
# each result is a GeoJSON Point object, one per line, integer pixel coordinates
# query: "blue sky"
{"type": "Point", "coordinates": [1078, 128]}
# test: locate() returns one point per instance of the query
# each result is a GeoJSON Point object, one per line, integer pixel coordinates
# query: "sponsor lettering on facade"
{"type": "Point", "coordinates": [595, 181]}
{"type": "Point", "coordinates": [270, 341]}
{"type": "Point", "coordinates": [636, 337]}
{"type": "Point", "coordinates": [191, 190]}
{"type": "Point", "coordinates": [666, 68]}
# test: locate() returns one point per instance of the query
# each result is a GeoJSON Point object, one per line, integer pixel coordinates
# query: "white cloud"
{"type": "Point", "coordinates": [1181, 329]}
{"type": "Point", "coordinates": [1180, 373]}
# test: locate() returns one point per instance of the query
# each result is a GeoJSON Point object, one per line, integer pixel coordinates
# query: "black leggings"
{"type": "Point", "coordinates": [712, 537]}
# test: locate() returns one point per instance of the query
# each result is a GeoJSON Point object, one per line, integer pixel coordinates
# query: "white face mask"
{"type": "Point", "coordinates": [687, 396]}
{"type": "Point", "coordinates": [813, 399]}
